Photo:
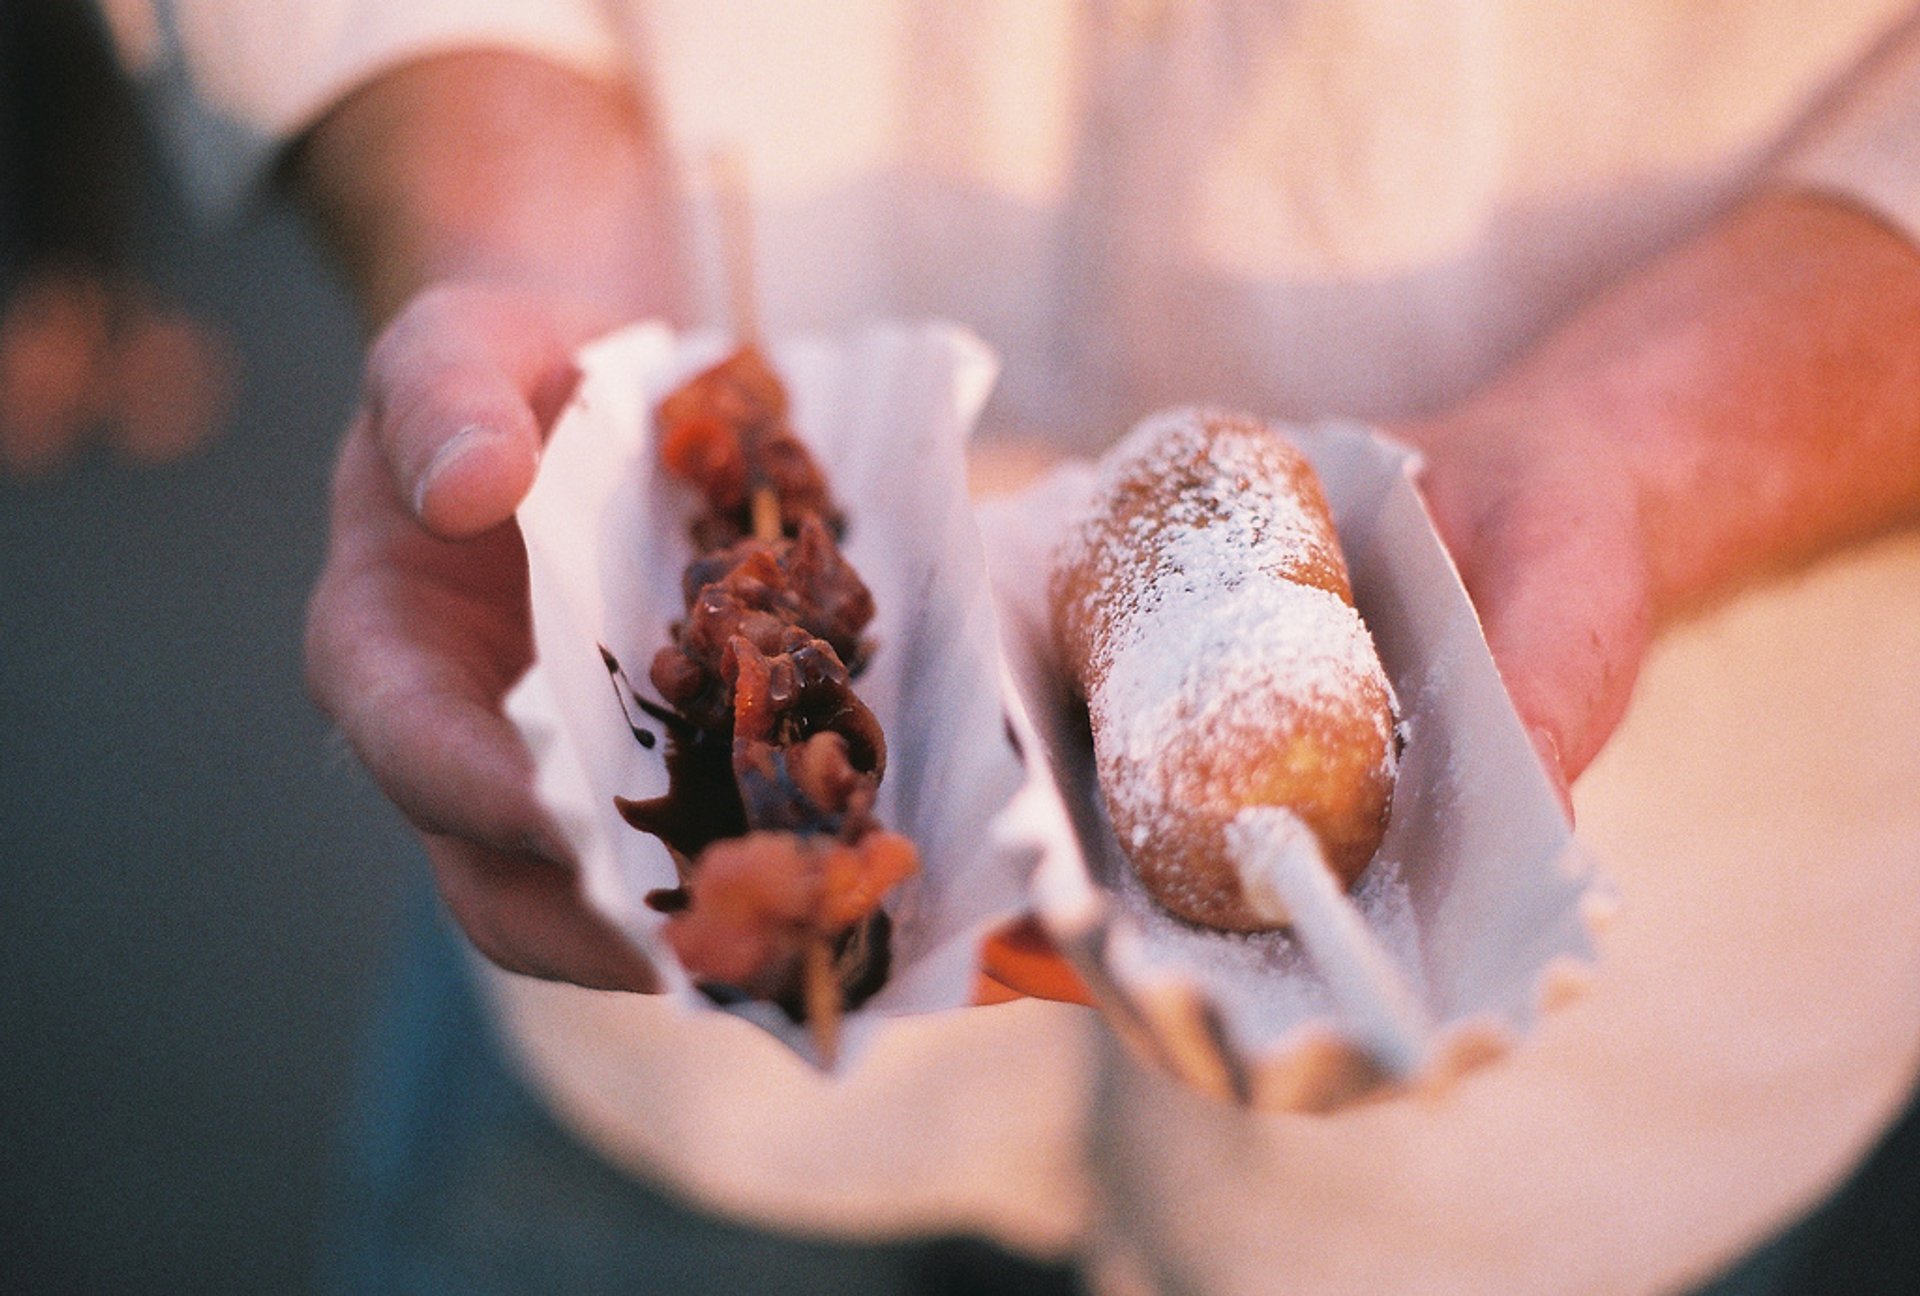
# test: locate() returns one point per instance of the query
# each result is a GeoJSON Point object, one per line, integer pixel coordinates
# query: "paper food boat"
{"type": "Point", "coordinates": [1478, 904]}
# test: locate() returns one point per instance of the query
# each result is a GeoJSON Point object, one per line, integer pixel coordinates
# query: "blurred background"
{"type": "Point", "coordinates": [197, 886]}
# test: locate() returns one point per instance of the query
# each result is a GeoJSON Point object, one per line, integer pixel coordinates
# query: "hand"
{"type": "Point", "coordinates": [1740, 406]}
{"type": "Point", "coordinates": [419, 624]}
{"type": "Point", "coordinates": [87, 356]}
{"type": "Point", "coordinates": [1542, 519]}
{"type": "Point", "coordinates": [418, 627]}
{"type": "Point", "coordinates": [493, 211]}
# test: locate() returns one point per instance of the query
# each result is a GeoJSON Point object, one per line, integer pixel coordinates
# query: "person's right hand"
{"type": "Point", "coordinates": [493, 211]}
{"type": "Point", "coordinates": [419, 624]}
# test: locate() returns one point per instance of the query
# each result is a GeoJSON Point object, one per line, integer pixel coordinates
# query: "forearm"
{"type": "Point", "coordinates": [1763, 386]}
{"type": "Point", "coordinates": [493, 167]}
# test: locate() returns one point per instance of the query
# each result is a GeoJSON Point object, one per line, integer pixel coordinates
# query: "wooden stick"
{"type": "Point", "coordinates": [821, 990]}
{"type": "Point", "coordinates": [743, 293]}
{"type": "Point", "coordinates": [823, 1001]}
{"type": "Point", "coordinates": [765, 505]}
{"type": "Point", "coordinates": [1285, 878]}
{"type": "Point", "coordinates": [737, 266]}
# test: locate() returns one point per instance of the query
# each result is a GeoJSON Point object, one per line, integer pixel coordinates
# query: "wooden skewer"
{"type": "Point", "coordinates": [729, 176]}
{"type": "Point", "coordinates": [821, 988]}
{"type": "Point", "coordinates": [1285, 877]}
{"type": "Point", "coordinates": [823, 998]}
{"type": "Point", "coordinates": [767, 522]}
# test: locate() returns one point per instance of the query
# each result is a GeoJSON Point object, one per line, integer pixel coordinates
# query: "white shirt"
{"type": "Point", "coordinates": [1312, 206]}
{"type": "Point", "coordinates": [1359, 207]}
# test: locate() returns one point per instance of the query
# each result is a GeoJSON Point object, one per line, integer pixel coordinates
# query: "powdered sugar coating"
{"type": "Point", "coordinates": [1225, 658]}
{"type": "Point", "coordinates": [1203, 602]}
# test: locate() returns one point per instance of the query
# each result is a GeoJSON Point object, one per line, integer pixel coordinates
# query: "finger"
{"type": "Point", "coordinates": [1559, 580]}
{"type": "Point", "coordinates": [461, 389]}
{"type": "Point", "coordinates": [412, 641]}
{"type": "Point", "coordinates": [527, 915]}
{"type": "Point", "coordinates": [1021, 958]}
{"type": "Point", "coordinates": [452, 765]}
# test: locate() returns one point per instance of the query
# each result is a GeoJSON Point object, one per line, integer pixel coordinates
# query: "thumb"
{"type": "Point", "coordinates": [461, 391]}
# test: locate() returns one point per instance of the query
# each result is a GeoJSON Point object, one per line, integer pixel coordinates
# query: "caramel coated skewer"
{"type": "Point", "coordinates": [821, 987]}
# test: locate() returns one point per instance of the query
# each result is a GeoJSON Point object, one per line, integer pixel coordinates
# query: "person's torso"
{"type": "Point", "coordinates": [1356, 208]}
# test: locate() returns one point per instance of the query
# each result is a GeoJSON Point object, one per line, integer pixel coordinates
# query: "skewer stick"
{"type": "Point", "coordinates": [765, 505]}
{"type": "Point", "coordinates": [821, 987]}
{"type": "Point", "coordinates": [743, 293]}
{"type": "Point", "coordinates": [1285, 878]}
{"type": "Point", "coordinates": [729, 178]}
{"type": "Point", "coordinates": [822, 990]}
{"type": "Point", "coordinates": [737, 267]}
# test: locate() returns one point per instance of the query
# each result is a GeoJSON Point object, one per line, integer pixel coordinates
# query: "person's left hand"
{"type": "Point", "coordinates": [1738, 406]}
{"type": "Point", "coordinates": [1542, 519]}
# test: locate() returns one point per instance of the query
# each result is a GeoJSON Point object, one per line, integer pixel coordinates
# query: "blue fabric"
{"type": "Point", "coordinates": [456, 1180]}
{"type": "Point", "coordinates": [1862, 1241]}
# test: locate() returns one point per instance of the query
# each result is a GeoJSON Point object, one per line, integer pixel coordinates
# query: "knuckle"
{"type": "Point", "coordinates": [417, 339]}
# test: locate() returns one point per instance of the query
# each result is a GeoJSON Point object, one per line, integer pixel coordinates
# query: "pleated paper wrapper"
{"type": "Point", "coordinates": [1480, 897]}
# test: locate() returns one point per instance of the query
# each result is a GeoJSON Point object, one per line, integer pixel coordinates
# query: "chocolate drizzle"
{"type": "Point", "coordinates": [702, 802]}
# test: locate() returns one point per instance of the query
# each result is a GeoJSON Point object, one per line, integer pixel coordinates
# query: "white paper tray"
{"type": "Point", "coordinates": [1480, 894]}
{"type": "Point", "coordinates": [1480, 897]}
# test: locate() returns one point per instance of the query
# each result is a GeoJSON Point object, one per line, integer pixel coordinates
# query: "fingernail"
{"type": "Point", "coordinates": [458, 447]}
